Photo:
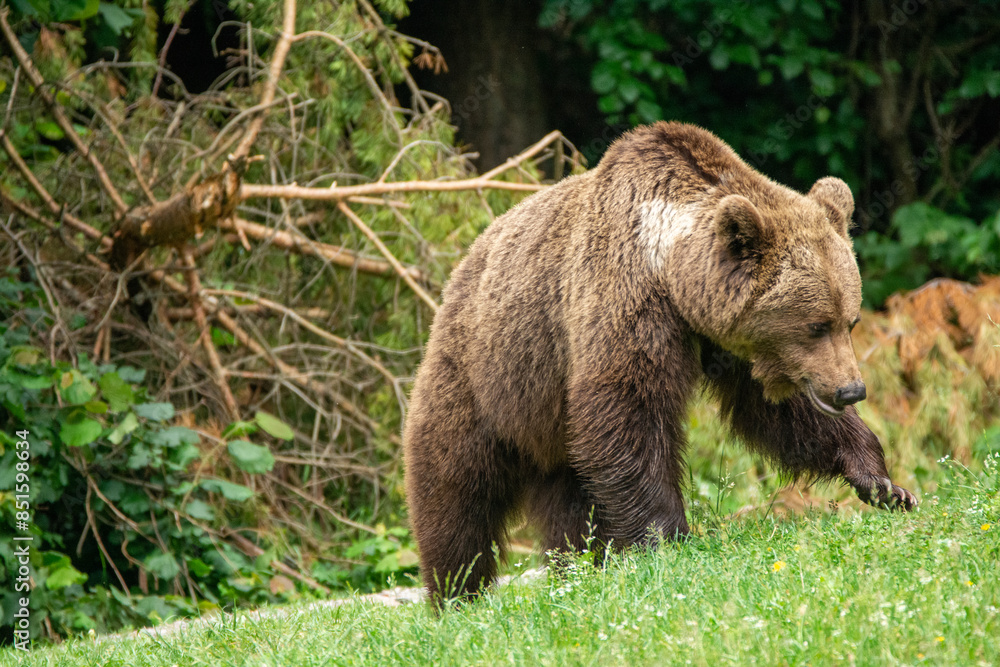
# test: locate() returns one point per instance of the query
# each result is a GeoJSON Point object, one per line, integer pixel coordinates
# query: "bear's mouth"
{"type": "Point", "coordinates": [825, 408]}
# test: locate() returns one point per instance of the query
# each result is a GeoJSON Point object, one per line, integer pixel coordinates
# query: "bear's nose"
{"type": "Point", "coordinates": [850, 394]}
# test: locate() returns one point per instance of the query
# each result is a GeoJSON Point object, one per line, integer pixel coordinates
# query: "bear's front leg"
{"type": "Point", "coordinates": [798, 438]}
{"type": "Point", "coordinates": [861, 463]}
{"type": "Point", "coordinates": [625, 445]}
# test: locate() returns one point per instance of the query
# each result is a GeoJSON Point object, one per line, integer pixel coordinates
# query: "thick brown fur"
{"type": "Point", "coordinates": [572, 337]}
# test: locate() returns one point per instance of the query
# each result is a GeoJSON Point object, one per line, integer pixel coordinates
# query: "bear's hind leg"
{"type": "Point", "coordinates": [461, 491]}
{"type": "Point", "coordinates": [562, 511]}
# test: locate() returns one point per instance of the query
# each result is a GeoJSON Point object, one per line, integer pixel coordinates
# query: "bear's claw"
{"type": "Point", "coordinates": [881, 492]}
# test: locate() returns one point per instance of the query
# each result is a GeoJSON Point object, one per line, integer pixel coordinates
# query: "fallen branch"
{"type": "Point", "coordinates": [194, 294]}
{"type": "Point", "coordinates": [333, 254]}
{"type": "Point", "coordinates": [179, 219]}
{"type": "Point", "coordinates": [400, 269]}
{"type": "Point", "coordinates": [340, 193]}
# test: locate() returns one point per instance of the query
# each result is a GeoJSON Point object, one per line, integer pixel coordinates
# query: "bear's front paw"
{"type": "Point", "coordinates": [881, 492]}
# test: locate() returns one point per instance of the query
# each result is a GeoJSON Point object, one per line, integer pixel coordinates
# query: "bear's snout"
{"type": "Point", "coordinates": [850, 394]}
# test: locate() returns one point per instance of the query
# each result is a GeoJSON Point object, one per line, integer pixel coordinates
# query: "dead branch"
{"type": "Point", "coordinates": [322, 333]}
{"type": "Point", "coordinates": [400, 269]}
{"type": "Point", "coordinates": [181, 218]}
{"type": "Point", "coordinates": [293, 374]}
{"type": "Point", "coordinates": [334, 254]}
{"type": "Point", "coordinates": [57, 113]}
{"type": "Point", "coordinates": [274, 73]}
{"type": "Point", "coordinates": [194, 294]}
{"type": "Point", "coordinates": [339, 193]}
{"type": "Point", "coordinates": [253, 551]}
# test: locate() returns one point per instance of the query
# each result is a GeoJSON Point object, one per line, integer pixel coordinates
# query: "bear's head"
{"type": "Point", "coordinates": [803, 292]}
{"type": "Point", "coordinates": [770, 275]}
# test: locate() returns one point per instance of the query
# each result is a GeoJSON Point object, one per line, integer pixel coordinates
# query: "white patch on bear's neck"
{"type": "Point", "coordinates": [661, 225]}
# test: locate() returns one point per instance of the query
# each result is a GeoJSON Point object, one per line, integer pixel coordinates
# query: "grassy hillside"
{"type": "Point", "coordinates": [818, 588]}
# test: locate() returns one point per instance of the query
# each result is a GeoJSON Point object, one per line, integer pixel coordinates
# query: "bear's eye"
{"type": "Point", "coordinates": [819, 329]}
{"type": "Point", "coordinates": [855, 322]}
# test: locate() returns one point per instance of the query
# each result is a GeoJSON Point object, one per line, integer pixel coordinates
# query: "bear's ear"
{"type": "Point", "coordinates": [740, 227]}
{"type": "Point", "coordinates": [836, 198]}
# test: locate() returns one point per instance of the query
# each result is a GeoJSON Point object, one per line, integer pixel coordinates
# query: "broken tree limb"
{"type": "Point", "coordinates": [343, 192]}
{"type": "Point", "coordinates": [194, 294]}
{"type": "Point", "coordinates": [179, 219]}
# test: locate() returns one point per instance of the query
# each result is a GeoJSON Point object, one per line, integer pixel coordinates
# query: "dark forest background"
{"type": "Point", "coordinates": [900, 99]}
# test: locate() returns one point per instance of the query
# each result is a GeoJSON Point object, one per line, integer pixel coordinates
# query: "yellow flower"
{"type": "Point", "coordinates": [939, 639]}
{"type": "Point", "coordinates": [920, 656]}
{"type": "Point", "coordinates": [796, 547]}
{"type": "Point", "coordinates": [778, 565]}
{"type": "Point", "coordinates": [985, 526]}
{"type": "Point", "coordinates": [969, 582]}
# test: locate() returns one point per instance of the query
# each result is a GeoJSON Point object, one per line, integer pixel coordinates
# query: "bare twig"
{"type": "Point", "coordinates": [343, 192]}
{"type": "Point", "coordinates": [334, 254]}
{"type": "Point", "coordinates": [194, 293]}
{"type": "Point", "coordinates": [400, 269]}
{"type": "Point", "coordinates": [322, 333]}
{"type": "Point", "coordinates": [274, 73]}
{"type": "Point", "coordinates": [57, 113]}
{"type": "Point", "coordinates": [253, 551]}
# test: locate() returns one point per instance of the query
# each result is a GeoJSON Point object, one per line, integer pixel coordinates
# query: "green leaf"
{"type": "Point", "coordinates": [181, 456]}
{"type": "Point", "coordinates": [199, 509]}
{"type": "Point", "coordinates": [116, 391]}
{"type": "Point", "coordinates": [719, 57]}
{"type": "Point", "coordinates": [160, 412]}
{"type": "Point", "coordinates": [113, 489]}
{"type": "Point", "coordinates": [49, 130]}
{"type": "Point", "coordinates": [132, 375]}
{"type": "Point", "coordinates": [116, 18]}
{"type": "Point", "coordinates": [30, 382]}
{"type": "Point", "coordinates": [273, 425]}
{"type": "Point", "coordinates": [250, 457]}
{"type": "Point", "coordinates": [198, 567]}
{"type": "Point", "coordinates": [791, 67]}
{"type": "Point", "coordinates": [604, 77]}
{"type": "Point", "coordinates": [96, 407]}
{"type": "Point", "coordinates": [73, 10]}
{"type": "Point", "coordinates": [126, 426]}
{"type": "Point", "coordinates": [240, 428]}
{"type": "Point", "coordinates": [229, 491]}
{"type": "Point", "coordinates": [78, 430]}
{"type": "Point", "coordinates": [162, 565]}
{"type": "Point", "coordinates": [63, 576]}
{"type": "Point", "coordinates": [222, 338]}
{"type": "Point", "coordinates": [174, 436]}
{"type": "Point", "coordinates": [822, 81]}
{"type": "Point", "coordinates": [75, 388]}
{"type": "Point", "coordinates": [134, 502]}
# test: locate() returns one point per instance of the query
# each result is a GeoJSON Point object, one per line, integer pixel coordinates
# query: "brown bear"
{"type": "Point", "coordinates": [577, 328]}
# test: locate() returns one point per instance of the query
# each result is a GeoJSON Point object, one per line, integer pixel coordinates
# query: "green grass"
{"type": "Point", "coordinates": [820, 589]}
